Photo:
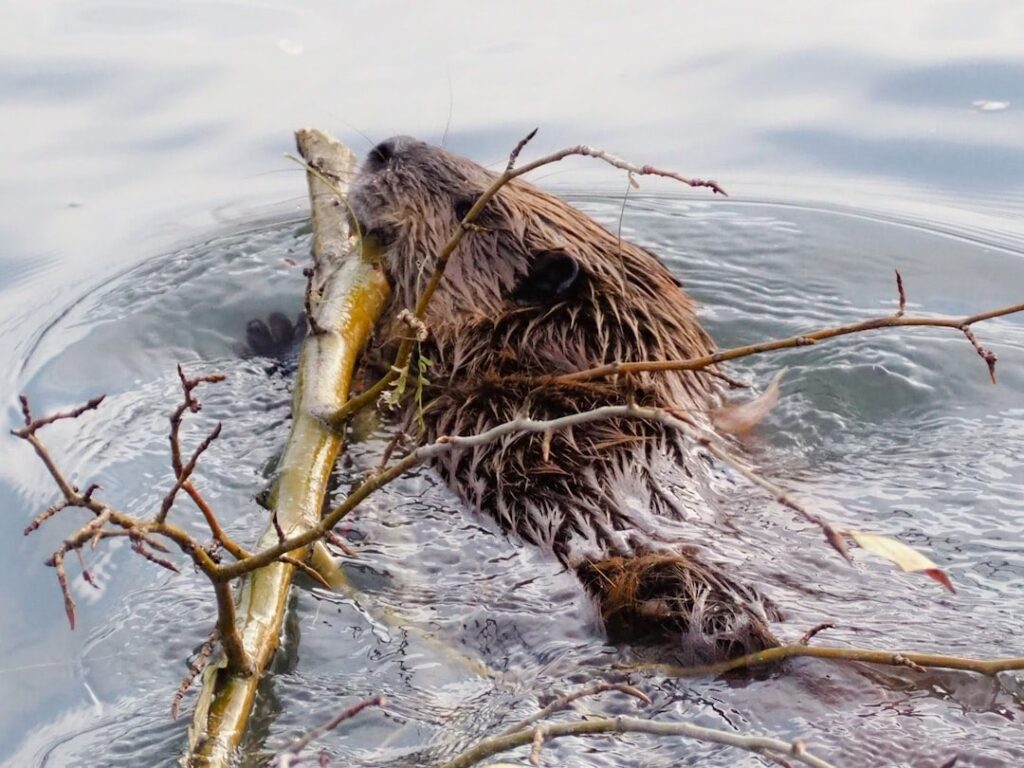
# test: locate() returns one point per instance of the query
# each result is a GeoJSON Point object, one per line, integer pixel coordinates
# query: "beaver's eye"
{"type": "Point", "coordinates": [462, 208]}
{"type": "Point", "coordinates": [554, 276]}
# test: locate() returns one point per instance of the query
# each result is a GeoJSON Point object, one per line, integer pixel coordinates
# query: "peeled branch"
{"type": "Point", "coordinates": [346, 294]}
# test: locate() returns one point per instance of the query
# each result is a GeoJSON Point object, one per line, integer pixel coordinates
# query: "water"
{"type": "Point", "coordinates": [150, 215]}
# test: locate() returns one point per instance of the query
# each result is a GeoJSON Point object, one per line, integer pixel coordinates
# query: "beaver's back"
{"type": "Point", "coordinates": [538, 288]}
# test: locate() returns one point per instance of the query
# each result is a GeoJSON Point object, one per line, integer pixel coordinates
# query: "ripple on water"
{"type": "Point", "coordinates": [898, 432]}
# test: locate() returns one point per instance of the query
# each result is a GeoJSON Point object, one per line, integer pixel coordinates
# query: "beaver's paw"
{"type": "Point", "coordinates": [274, 337]}
{"type": "Point", "coordinates": [659, 597]}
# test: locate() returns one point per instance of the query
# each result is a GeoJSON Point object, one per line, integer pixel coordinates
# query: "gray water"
{"type": "Point", "coordinates": [149, 214]}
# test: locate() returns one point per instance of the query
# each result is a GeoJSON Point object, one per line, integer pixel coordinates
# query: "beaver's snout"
{"type": "Point", "coordinates": [379, 157]}
{"type": "Point", "coordinates": [385, 182]}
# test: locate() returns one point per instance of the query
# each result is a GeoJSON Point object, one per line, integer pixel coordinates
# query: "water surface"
{"type": "Point", "coordinates": [150, 215]}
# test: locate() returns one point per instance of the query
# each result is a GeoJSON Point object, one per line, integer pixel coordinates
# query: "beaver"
{"type": "Point", "coordinates": [539, 288]}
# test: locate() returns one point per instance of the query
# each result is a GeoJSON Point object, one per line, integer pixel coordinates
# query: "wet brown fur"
{"type": "Point", "coordinates": [601, 495]}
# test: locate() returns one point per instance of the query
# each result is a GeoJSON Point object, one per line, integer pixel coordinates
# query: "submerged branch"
{"type": "Point", "coordinates": [772, 748]}
{"type": "Point", "coordinates": [290, 755]}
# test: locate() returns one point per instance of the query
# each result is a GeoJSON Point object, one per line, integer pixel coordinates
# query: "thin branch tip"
{"type": "Point", "coordinates": [902, 295]}
{"type": "Point", "coordinates": [514, 154]}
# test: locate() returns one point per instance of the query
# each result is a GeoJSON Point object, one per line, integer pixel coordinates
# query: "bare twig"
{"type": "Point", "coordinates": [514, 154]}
{"type": "Point", "coordinates": [238, 661]}
{"type": "Point", "coordinates": [340, 543]}
{"type": "Point", "coordinates": [307, 569]}
{"type": "Point", "coordinates": [287, 756]}
{"type": "Point", "coordinates": [813, 631]}
{"type": "Point", "coordinates": [191, 404]}
{"type": "Point", "coordinates": [277, 526]}
{"type": "Point", "coordinates": [805, 339]}
{"type": "Point", "coordinates": [34, 425]}
{"type": "Point", "coordinates": [983, 352]}
{"type": "Point", "coordinates": [220, 536]}
{"type": "Point", "coordinates": [186, 472]}
{"type": "Point", "coordinates": [732, 382]}
{"type": "Point", "coordinates": [714, 446]}
{"type": "Point", "coordinates": [140, 548]}
{"type": "Point", "coordinates": [563, 702]}
{"type": "Point", "coordinates": [757, 744]}
{"type": "Point", "coordinates": [195, 666]}
{"type": "Point", "coordinates": [45, 515]}
{"type": "Point", "coordinates": [901, 291]}
{"type": "Point", "coordinates": [56, 561]}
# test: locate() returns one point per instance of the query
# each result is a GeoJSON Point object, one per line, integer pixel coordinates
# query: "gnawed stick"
{"type": "Point", "coordinates": [345, 296]}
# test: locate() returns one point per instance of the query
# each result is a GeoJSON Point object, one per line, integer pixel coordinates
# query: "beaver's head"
{"type": "Point", "coordinates": [535, 276]}
{"type": "Point", "coordinates": [410, 197]}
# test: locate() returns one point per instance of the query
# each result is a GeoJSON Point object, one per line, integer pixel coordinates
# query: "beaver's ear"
{"type": "Point", "coordinates": [554, 276]}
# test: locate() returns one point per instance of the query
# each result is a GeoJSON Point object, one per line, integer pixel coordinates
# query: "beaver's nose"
{"type": "Point", "coordinates": [381, 155]}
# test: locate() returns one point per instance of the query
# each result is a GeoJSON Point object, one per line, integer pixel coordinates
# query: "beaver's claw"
{"type": "Point", "coordinates": [275, 336]}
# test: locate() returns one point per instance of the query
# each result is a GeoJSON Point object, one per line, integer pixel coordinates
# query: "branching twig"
{"type": "Point", "coordinates": [145, 535]}
{"type": "Point", "coordinates": [190, 404]}
{"type": "Point", "coordinates": [28, 433]}
{"type": "Point", "coordinates": [961, 324]}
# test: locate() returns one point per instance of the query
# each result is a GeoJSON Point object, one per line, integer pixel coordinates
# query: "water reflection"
{"type": "Point", "coordinates": [953, 85]}
{"type": "Point", "coordinates": [953, 165]}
